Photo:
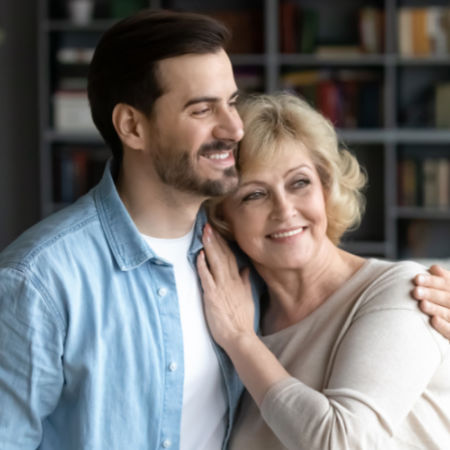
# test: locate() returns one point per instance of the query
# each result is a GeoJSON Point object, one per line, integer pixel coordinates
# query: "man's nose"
{"type": "Point", "coordinates": [229, 125]}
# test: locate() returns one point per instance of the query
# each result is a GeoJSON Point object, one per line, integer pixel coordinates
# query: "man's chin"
{"type": "Point", "coordinates": [223, 186]}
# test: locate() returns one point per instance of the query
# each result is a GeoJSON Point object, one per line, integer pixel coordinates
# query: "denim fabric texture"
{"type": "Point", "coordinates": [89, 329]}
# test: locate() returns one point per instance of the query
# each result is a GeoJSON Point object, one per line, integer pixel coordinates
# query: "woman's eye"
{"type": "Point", "coordinates": [253, 196]}
{"type": "Point", "coordinates": [302, 182]}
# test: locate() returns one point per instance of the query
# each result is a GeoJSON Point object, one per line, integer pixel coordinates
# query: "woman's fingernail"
{"type": "Point", "coordinates": [419, 292]}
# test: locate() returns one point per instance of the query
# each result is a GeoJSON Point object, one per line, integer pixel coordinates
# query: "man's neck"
{"type": "Point", "coordinates": [157, 210]}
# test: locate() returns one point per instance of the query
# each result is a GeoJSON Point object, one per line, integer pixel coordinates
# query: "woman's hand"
{"type": "Point", "coordinates": [433, 293]}
{"type": "Point", "coordinates": [227, 294]}
{"type": "Point", "coordinates": [230, 312]}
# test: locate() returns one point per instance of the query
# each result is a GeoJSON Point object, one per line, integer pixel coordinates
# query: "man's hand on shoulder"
{"type": "Point", "coordinates": [433, 293]}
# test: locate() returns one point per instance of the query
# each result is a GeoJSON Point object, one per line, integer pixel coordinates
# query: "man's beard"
{"type": "Point", "coordinates": [178, 171]}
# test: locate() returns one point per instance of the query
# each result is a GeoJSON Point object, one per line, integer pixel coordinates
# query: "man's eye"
{"type": "Point", "coordinates": [200, 112]}
{"type": "Point", "coordinates": [253, 196]}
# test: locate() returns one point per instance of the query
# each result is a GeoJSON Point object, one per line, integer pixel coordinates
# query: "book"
{"type": "Point", "coordinates": [420, 36]}
{"type": "Point", "coordinates": [288, 13]}
{"type": "Point", "coordinates": [443, 179]}
{"type": "Point", "coordinates": [371, 29]}
{"type": "Point", "coordinates": [329, 101]}
{"type": "Point", "coordinates": [74, 55]}
{"type": "Point", "coordinates": [442, 105]}
{"type": "Point", "coordinates": [246, 29]}
{"type": "Point", "coordinates": [404, 32]}
{"type": "Point", "coordinates": [71, 112]}
{"type": "Point", "coordinates": [308, 30]}
{"type": "Point", "coordinates": [430, 182]}
{"type": "Point", "coordinates": [407, 186]}
{"type": "Point", "coordinates": [438, 30]}
{"type": "Point", "coordinates": [337, 50]}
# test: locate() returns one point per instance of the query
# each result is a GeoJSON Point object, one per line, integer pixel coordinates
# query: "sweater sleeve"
{"type": "Point", "coordinates": [382, 365]}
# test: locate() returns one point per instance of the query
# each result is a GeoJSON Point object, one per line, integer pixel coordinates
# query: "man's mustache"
{"type": "Point", "coordinates": [218, 145]}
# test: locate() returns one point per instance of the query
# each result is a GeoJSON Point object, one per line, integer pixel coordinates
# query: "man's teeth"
{"type": "Point", "coordinates": [286, 233]}
{"type": "Point", "coordinates": [223, 155]}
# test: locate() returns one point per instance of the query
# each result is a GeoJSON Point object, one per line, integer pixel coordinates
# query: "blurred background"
{"type": "Point", "coordinates": [378, 69]}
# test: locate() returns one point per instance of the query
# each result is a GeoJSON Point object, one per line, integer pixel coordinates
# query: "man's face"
{"type": "Point", "coordinates": [194, 128]}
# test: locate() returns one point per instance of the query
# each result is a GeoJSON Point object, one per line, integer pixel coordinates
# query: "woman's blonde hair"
{"type": "Point", "coordinates": [270, 120]}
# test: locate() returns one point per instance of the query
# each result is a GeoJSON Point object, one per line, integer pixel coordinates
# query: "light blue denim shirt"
{"type": "Point", "coordinates": [89, 327]}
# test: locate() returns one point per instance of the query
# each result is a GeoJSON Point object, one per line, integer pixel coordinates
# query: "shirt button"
{"type": "Point", "coordinates": [166, 443]}
{"type": "Point", "coordinates": [162, 292]}
{"type": "Point", "coordinates": [173, 366]}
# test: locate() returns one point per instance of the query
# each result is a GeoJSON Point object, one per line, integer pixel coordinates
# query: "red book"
{"type": "Point", "coordinates": [288, 26]}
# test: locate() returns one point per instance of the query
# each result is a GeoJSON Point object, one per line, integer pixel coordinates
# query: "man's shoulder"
{"type": "Point", "coordinates": [62, 228]}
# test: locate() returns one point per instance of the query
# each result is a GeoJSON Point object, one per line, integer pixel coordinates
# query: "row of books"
{"type": "Point", "coordinates": [300, 29]}
{"type": "Point", "coordinates": [424, 31]}
{"type": "Point", "coordinates": [424, 182]}
{"type": "Point", "coordinates": [76, 170]}
{"type": "Point", "coordinates": [349, 98]}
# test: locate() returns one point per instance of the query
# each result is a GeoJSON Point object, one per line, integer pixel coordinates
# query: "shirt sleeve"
{"type": "Point", "coordinates": [383, 364]}
{"type": "Point", "coordinates": [31, 374]}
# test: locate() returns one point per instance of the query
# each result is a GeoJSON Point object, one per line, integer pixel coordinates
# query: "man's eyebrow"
{"type": "Point", "coordinates": [207, 99]}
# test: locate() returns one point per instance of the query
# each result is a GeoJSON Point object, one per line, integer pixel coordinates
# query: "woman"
{"type": "Point", "coordinates": [346, 360]}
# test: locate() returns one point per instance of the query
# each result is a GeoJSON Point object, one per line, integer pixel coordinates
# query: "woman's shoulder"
{"type": "Point", "coordinates": [390, 284]}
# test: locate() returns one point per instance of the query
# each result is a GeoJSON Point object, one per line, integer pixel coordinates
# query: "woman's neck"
{"type": "Point", "coordinates": [294, 294]}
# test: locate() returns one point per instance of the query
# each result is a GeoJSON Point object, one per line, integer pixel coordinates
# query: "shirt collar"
{"type": "Point", "coordinates": [127, 245]}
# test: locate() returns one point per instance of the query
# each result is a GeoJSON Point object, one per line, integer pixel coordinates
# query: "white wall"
{"type": "Point", "coordinates": [19, 171]}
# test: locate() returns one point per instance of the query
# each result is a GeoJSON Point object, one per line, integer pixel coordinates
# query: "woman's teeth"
{"type": "Point", "coordinates": [286, 233]}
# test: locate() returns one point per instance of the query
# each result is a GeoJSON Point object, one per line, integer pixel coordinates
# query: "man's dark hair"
{"type": "Point", "coordinates": [124, 66]}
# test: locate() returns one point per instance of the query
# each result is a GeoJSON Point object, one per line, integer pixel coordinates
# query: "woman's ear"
{"type": "Point", "coordinates": [128, 123]}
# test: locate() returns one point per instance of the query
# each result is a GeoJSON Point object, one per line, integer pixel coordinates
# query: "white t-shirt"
{"type": "Point", "coordinates": [204, 401]}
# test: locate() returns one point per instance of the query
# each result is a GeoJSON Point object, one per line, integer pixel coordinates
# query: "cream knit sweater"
{"type": "Point", "coordinates": [368, 372]}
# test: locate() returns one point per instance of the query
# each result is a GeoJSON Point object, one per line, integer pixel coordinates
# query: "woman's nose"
{"type": "Point", "coordinates": [282, 208]}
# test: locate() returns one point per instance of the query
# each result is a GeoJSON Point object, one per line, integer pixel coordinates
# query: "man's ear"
{"type": "Point", "coordinates": [128, 123]}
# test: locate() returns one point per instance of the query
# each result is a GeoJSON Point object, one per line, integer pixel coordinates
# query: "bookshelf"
{"type": "Point", "coordinates": [355, 60]}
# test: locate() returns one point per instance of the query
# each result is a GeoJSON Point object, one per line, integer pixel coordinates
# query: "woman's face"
{"type": "Point", "coordinates": [277, 215]}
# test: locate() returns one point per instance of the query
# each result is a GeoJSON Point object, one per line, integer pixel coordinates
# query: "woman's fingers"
{"type": "Point", "coordinates": [206, 278]}
{"type": "Point", "coordinates": [220, 258]}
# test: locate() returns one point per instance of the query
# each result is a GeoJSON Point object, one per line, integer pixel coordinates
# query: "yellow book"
{"type": "Point", "coordinates": [420, 35]}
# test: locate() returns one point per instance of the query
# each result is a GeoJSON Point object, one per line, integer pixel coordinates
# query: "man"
{"type": "Point", "coordinates": [103, 343]}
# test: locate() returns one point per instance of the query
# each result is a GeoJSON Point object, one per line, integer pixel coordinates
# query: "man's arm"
{"type": "Point", "coordinates": [433, 293]}
{"type": "Point", "coordinates": [31, 376]}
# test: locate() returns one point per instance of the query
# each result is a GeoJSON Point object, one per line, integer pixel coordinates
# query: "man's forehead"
{"type": "Point", "coordinates": [193, 72]}
{"type": "Point", "coordinates": [186, 82]}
